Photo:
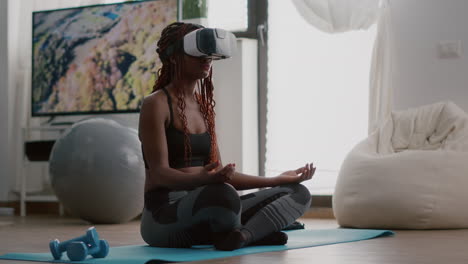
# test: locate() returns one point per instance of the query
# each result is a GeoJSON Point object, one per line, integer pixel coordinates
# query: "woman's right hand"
{"type": "Point", "coordinates": [214, 174]}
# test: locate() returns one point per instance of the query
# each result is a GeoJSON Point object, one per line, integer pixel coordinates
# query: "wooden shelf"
{"type": "Point", "coordinates": [41, 198]}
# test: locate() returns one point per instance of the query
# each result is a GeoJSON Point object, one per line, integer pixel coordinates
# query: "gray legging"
{"type": "Point", "coordinates": [191, 217]}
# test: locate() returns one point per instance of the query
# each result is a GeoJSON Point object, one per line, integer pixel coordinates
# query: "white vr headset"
{"type": "Point", "coordinates": [212, 43]}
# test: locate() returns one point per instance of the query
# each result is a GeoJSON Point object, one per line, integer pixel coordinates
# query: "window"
{"type": "Point", "coordinates": [228, 14]}
{"type": "Point", "coordinates": [317, 95]}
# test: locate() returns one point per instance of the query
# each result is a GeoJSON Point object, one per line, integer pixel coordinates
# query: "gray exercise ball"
{"type": "Point", "coordinates": [97, 171]}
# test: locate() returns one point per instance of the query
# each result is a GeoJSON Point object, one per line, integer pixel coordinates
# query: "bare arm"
{"type": "Point", "coordinates": [242, 181]}
{"type": "Point", "coordinates": [152, 133]}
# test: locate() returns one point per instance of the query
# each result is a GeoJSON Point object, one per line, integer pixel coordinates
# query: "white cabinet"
{"type": "Point", "coordinates": [37, 144]}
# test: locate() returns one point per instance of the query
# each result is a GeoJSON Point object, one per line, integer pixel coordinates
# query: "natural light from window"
{"type": "Point", "coordinates": [317, 95]}
{"type": "Point", "coordinates": [228, 14]}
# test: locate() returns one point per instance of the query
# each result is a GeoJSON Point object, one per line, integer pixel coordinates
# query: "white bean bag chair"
{"type": "Point", "coordinates": [411, 173]}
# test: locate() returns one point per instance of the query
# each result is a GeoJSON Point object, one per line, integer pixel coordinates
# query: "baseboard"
{"type": "Point", "coordinates": [321, 201]}
{"type": "Point", "coordinates": [319, 212]}
{"type": "Point", "coordinates": [321, 207]}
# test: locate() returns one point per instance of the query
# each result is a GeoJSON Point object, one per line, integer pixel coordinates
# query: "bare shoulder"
{"type": "Point", "coordinates": [155, 99]}
{"type": "Point", "coordinates": [155, 107]}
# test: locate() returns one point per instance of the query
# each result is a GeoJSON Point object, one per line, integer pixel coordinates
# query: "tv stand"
{"type": "Point", "coordinates": [69, 123]}
{"type": "Point", "coordinates": [37, 149]}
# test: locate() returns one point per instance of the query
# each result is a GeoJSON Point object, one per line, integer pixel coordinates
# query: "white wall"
{"type": "Point", "coordinates": [236, 95]}
{"type": "Point", "coordinates": [5, 169]}
{"type": "Point", "coordinates": [421, 76]}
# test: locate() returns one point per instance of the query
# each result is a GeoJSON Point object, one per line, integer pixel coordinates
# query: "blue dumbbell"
{"type": "Point", "coordinates": [78, 251]}
{"type": "Point", "coordinates": [57, 247]}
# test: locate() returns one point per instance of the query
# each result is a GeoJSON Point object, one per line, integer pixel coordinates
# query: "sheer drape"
{"type": "Point", "coordinates": [20, 32]}
{"type": "Point", "coordinates": [382, 70]}
{"type": "Point", "coordinates": [334, 16]}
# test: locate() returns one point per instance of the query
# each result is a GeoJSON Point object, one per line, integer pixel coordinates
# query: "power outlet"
{"type": "Point", "coordinates": [449, 49]}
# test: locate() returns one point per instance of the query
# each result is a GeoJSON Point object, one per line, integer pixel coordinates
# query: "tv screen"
{"type": "Point", "coordinates": [96, 59]}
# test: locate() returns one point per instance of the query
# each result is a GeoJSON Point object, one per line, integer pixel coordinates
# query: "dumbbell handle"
{"type": "Point", "coordinates": [91, 237]}
{"type": "Point", "coordinates": [78, 251]}
{"type": "Point", "coordinates": [101, 250]}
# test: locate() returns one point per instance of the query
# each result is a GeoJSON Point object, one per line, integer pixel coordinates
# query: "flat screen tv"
{"type": "Point", "coordinates": [96, 59]}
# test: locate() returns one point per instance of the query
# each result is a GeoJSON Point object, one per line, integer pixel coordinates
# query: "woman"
{"type": "Point", "coordinates": [190, 197]}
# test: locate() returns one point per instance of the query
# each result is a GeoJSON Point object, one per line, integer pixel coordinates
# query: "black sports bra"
{"type": "Point", "coordinates": [200, 144]}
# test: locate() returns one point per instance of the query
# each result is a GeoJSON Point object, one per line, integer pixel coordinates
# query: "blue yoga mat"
{"type": "Point", "coordinates": [143, 253]}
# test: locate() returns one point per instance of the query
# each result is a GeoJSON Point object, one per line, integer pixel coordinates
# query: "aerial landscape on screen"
{"type": "Point", "coordinates": [98, 58]}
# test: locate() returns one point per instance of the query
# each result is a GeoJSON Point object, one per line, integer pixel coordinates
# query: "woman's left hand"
{"type": "Point", "coordinates": [296, 176]}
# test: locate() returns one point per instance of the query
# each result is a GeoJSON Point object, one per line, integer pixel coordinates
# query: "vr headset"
{"type": "Point", "coordinates": [214, 43]}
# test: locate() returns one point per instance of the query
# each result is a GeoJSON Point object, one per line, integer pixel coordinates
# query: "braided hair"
{"type": "Point", "coordinates": [169, 47]}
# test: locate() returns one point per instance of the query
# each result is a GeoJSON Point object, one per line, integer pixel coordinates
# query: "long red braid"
{"type": "Point", "coordinates": [171, 71]}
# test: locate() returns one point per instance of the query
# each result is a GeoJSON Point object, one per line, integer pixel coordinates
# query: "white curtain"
{"type": "Point", "coordinates": [334, 16]}
{"type": "Point", "coordinates": [19, 38]}
{"type": "Point", "coordinates": [382, 70]}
